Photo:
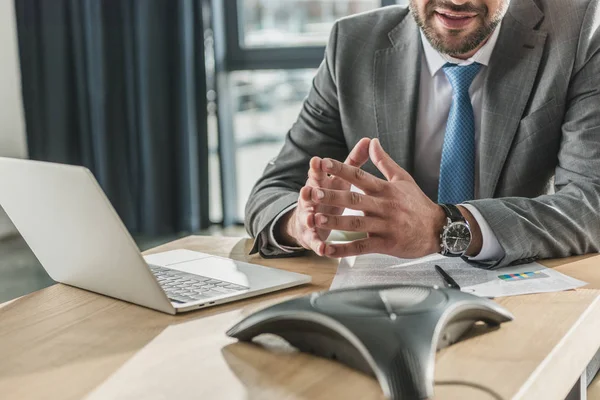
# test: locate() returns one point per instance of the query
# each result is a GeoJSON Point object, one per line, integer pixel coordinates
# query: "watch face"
{"type": "Point", "coordinates": [457, 237]}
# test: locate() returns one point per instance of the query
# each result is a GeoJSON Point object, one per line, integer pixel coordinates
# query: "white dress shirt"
{"type": "Point", "coordinates": [435, 100]}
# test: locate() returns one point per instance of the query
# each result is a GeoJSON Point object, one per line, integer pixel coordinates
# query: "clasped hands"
{"type": "Point", "coordinates": [399, 219]}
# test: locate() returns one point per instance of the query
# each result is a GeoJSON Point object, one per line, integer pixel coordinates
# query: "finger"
{"type": "Point", "coordinates": [315, 173]}
{"type": "Point", "coordinates": [311, 239]}
{"type": "Point", "coordinates": [345, 199]}
{"type": "Point", "coordinates": [361, 179]}
{"type": "Point", "coordinates": [356, 247]}
{"type": "Point", "coordinates": [385, 163]}
{"type": "Point", "coordinates": [306, 204]}
{"type": "Point", "coordinates": [306, 207]}
{"type": "Point", "coordinates": [351, 223]}
{"type": "Point", "coordinates": [305, 199]}
{"type": "Point", "coordinates": [359, 154]}
{"type": "Point", "coordinates": [309, 219]}
{"type": "Point", "coordinates": [357, 157]}
{"type": "Point", "coordinates": [319, 178]}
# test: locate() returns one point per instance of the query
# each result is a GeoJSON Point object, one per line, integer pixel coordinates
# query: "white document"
{"type": "Point", "coordinates": [377, 269]}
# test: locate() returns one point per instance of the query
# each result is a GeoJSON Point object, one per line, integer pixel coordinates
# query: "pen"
{"type": "Point", "coordinates": [450, 283]}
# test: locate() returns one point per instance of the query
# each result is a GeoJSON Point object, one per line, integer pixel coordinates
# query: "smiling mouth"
{"type": "Point", "coordinates": [454, 20]}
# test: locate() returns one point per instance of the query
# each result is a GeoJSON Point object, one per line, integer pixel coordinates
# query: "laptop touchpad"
{"type": "Point", "coordinates": [216, 268]}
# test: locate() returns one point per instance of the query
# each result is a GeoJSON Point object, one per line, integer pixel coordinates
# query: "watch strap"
{"type": "Point", "coordinates": [452, 212]}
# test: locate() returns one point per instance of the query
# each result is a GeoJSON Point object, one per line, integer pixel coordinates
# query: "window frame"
{"type": "Point", "coordinates": [281, 57]}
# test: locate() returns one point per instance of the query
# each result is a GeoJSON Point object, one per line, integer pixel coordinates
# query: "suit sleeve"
{"type": "Point", "coordinates": [567, 222]}
{"type": "Point", "coordinates": [317, 132]}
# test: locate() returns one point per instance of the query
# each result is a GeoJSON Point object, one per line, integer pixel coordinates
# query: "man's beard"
{"type": "Point", "coordinates": [469, 43]}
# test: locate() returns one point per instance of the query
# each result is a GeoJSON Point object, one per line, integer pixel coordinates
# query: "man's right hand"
{"type": "Point", "coordinates": [297, 227]}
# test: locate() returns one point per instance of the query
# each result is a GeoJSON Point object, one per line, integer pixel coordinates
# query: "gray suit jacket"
{"type": "Point", "coordinates": [539, 147]}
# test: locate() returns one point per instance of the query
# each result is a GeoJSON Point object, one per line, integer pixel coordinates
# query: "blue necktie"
{"type": "Point", "coordinates": [457, 169]}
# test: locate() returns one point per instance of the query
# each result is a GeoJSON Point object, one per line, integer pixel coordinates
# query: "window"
{"type": "Point", "coordinates": [266, 104]}
{"type": "Point", "coordinates": [275, 23]}
{"type": "Point", "coordinates": [266, 54]}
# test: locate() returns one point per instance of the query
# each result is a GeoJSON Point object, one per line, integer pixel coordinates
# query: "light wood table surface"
{"type": "Point", "coordinates": [63, 342]}
{"type": "Point", "coordinates": [593, 392]}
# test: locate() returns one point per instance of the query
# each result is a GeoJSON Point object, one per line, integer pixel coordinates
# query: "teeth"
{"type": "Point", "coordinates": [456, 15]}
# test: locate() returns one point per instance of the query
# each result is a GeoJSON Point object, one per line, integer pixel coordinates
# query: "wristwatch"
{"type": "Point", "coordinates": [456, 234]}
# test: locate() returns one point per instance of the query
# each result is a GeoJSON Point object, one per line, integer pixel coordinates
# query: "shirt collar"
{"type": "Point", "coordinates": [436, 60]}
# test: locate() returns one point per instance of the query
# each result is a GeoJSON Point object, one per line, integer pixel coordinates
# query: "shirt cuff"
{"type": "Point", "coordinates": [272, 241]}
{"type": "Point", "coordinates": [490, 247]}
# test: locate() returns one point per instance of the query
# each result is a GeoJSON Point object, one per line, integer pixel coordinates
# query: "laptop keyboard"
{"type": "Point", "coordinates": [184, 287]}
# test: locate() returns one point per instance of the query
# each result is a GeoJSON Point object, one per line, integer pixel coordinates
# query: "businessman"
{"type": "Point", "coordinates": [469, 127]}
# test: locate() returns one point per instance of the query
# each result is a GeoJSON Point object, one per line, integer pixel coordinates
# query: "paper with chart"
{"type": "Point", "coordinates": [375, 269]}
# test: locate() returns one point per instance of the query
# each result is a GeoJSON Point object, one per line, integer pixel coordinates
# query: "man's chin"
{"type": "Point", "coordinates": [452, 42]}
{"type": "Point", "coordinates": [455, 35]}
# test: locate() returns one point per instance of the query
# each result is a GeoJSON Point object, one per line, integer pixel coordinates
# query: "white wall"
{"type": "Point", "coordinates": [12, 125]}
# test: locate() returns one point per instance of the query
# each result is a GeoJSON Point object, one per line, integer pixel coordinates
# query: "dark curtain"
{"type": "Point", "coordinates": [119, 86]}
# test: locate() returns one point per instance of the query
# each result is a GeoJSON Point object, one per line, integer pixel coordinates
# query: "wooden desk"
{"type": "Point", "coordinates": [63, 342]}
{"type": "Point", "coordinates": [593, 392]}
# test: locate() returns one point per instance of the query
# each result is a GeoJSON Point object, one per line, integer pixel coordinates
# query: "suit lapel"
{"type": "Point", "coordinates": [396, 79]}
{"type": "Point", "coordinates": [512, 72]}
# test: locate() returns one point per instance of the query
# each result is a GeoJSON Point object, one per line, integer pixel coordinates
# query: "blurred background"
{"type": "Point", "coordinates": [176, 106]}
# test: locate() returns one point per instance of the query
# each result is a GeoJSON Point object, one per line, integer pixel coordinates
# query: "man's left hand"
{"type": "Point", "coordinates": [399, 218]}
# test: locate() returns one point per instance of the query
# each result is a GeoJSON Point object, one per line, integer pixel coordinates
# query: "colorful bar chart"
{"type": "Point", "coordinates": [523, 275]}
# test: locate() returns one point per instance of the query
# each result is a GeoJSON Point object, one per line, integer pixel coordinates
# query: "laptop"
{"type": "Point", "coordinates": [75, 233]}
